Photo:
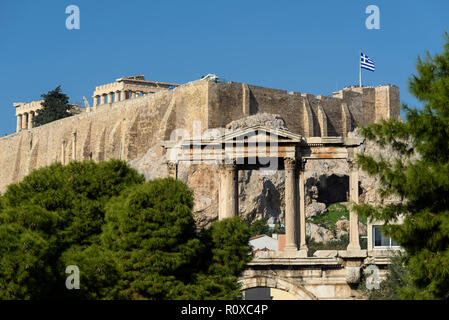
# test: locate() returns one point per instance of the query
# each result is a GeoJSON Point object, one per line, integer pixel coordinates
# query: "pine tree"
{"type": "Point", "coordinates": [54, 107]}
{"type": "Point", "coordinates": [419, 175]}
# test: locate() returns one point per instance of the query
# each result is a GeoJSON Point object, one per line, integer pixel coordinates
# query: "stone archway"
{"type": "Point", "coordinates": [298, 291]}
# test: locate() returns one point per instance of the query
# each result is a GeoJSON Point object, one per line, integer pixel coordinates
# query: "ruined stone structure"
{"type": "Point", "coordinates": [127, 88]}
{"type": "Point", "coordinates": [25, 112]}
{"type": "Point", "coordinates": [143, 130]}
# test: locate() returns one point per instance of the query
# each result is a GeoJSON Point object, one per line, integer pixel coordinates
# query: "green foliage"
{"type": "Point", "coordinates": [129, 239]}
{"type": "Point", "coordinates": [260, 227]}
{"type": "Point", "coordinates": [340, 244]}
{"type": "Point", "coordinates": [420, 176]}
{"type": "Point", "coordinates": [54, 107]}
{"type": "Point", "coordinates": [330, 216]}
{"type": "Point", "coordinates": [278, 229]}
{"type": "Point", "coordinates": [51, 210]}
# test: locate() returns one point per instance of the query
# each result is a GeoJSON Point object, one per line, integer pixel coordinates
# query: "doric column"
{"type": "Point", "coordinates": [172, 169]}
{"type": "Point", "coordinates": [302, 206]}
{"type": "Point", "coordinates": [291, 240]}
{"type": "Point", "coordinates": [228, 192]}
{"type": "Point", "coordinates": [123, 95]}
{"type": "Point", "coordinates": [19, 122]}
{"type": "Point", "coordinates": [354, 198]}
{"type": "Point", "coordinates": [102, 98]}
{"type": "Point", "coordinates": [110, 97]}
{"type": "Point", "coordinates": [30, 119]}
{"type": "Point", "coordinates": [95, 102]}
{"type": "Point", "coordinates": [117, 96]}
{"type": "Point", "coordinates": [24, 121]}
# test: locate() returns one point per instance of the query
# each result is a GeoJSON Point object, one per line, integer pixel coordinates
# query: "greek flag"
{"type": "Point", "coordinates": [366, 63]}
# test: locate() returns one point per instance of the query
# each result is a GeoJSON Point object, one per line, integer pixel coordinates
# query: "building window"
{"type": "Point", "coordinates": [382, 241]}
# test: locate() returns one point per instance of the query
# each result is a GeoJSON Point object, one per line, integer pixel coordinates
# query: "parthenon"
{"type": "Point", "coordinates": [127, 88]}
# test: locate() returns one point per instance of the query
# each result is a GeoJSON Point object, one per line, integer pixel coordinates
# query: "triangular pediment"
{"type": "Point", "coordinates": [261, 133]}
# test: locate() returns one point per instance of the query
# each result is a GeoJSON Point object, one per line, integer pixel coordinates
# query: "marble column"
{"type": "Point", "coordinates": [95, 101]}
{"type": "Point", "coordinates": [354, 198]}
{"type": "Point", "coordinates": [302, 206]}
{"type": "Point", "coordinates": [123, 95]}
{"type": "Point", "coordinates": [24, 121]}
{"type": "Point", "coordinates": [291, 240]}
{"type": "Point", "coordinates": [117, 96]}
{"type": "Point", "coordinates": [102, 98]}
{"type": "Point", "coordinates": [110, 94]}
{"type": "Point", "coordinates": [19, 122]}
{"type": "Point", "coordinates": [228, 192]}
{"type": "Point", "coordinates": [30, 119]}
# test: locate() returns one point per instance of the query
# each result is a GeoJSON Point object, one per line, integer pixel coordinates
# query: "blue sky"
{"type": "Point", "coordinates": [305, 46]}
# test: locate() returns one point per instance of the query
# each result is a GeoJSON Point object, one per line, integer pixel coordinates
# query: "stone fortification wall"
{"type": "Point", "coordinates": [121, 130]}
{"type": "Point", "coordinates": [129, 129]}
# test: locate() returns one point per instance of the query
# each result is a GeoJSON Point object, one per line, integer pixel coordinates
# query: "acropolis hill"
{"type": "Point", "coordinates": [129, 125]}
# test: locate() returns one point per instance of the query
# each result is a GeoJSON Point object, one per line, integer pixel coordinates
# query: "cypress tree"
{"type": "Point", "coordinates": [54, 107]}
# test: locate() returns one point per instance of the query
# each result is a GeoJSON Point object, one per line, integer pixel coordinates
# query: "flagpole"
{"type": "Point", "coordinates": [360, 68]}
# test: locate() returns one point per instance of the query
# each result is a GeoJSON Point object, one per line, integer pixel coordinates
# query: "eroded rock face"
{"type": "Point", "coordinates": [319, 234]}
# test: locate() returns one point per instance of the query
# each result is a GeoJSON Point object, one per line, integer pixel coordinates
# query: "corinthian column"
{"type": "Point", "coordinates": [354, 198]}
{"type": "Point", "coordinates": [290, 205]}
{"type": "Point", "coordinates": [228, 192]}
{"type": "Point", "coordinates": [302, 207]}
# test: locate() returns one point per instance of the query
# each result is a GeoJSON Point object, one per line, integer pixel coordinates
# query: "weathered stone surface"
{"type": "Point", "coordinates": [318, 234]}
{"type": "Point", "coordinates": [352, 253]}
{"type": "Point", "coordinates": [314, 208]}
{"type": "Point", "coordinates": [353, 275]}
{"type": "Point", "coordinates": [325, 253]}
{"type": "Point", "coordinates": [274, 121]}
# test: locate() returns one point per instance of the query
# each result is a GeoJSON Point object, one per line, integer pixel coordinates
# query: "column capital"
{"type": "Point", "coordinates": [301, 163]}
{"type": "Point", "coordinates": [172, 168]}
{"type": "Point", "coordinates": [171, 165]}
{"type": "Point", "coordinates": [228, 165]}
{"type": "Point", "coordinates": [351, 163]}
{"type": "Point", "coordinates": [289, 163]}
